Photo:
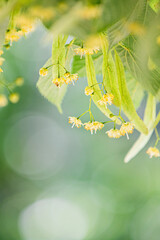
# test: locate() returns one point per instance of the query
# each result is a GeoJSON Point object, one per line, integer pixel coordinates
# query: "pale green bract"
{"type": "Point", "coordinates": [149, 118]}
{"type": "Point", "coordinates": [91, 77]}
{"type": "Point", "coordinates": [52, 93]}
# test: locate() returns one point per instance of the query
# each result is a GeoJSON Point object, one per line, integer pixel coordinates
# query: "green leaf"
{"type": "Point", "coordinates": [52, 93]}
{"type": "Point", "coordinates": [149, 118]}
{"type": "Point", "coordinates": [109, 72]}
{"type": "Point", "coordinates": [91, 77]}
{"type": "Point", "coordinates": [127, 103]}
{"type": "Point", "coordinates": [135, 89]}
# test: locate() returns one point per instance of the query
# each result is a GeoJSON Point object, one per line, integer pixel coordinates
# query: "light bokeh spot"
{"type": "Point", "coordinates": [53, 218]}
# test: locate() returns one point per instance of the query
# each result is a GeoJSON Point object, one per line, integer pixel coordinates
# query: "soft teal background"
{"type": "Point", "coordinates": [58, 183]}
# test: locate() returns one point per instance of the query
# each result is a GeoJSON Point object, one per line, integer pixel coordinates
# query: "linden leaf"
{"type": "Point", "coordinates": [127, 103]}
{"type": "Point", "coordinates": [149, 118]}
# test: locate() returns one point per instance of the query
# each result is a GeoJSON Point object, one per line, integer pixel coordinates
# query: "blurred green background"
{"type": "Point", "coordinates": [58, 183]}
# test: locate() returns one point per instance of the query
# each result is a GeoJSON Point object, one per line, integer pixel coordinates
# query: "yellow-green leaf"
{"type": "Point", "coordinates": [127, 103]}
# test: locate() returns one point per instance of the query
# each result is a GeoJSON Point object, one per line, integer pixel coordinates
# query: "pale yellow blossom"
{"type": "Point", "coordinates": [114, 133]}
{"type": "Point", "coordinates": [75, 122]}
{"type": "Point", "coordinates": [93, 126]}
{"type": "Point", "coordinates": [153, 152]}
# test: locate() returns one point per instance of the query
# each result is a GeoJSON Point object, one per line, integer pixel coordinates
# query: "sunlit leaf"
{"type": "Point", "coordinates": [127, 103]}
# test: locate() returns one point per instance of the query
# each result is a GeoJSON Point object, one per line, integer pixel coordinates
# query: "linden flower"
{"type": "Point", "coordinates": [45, 14]}
{"type": "Point", "coordinates": [1, 52]}
{"type": "Point", "coordinates": [153, 152]}
{"type": "Point", "coordinates": [88, 91]}
{"type": "Point", "coordinates": [80, 51]}
{"type": "Point", "coordinates": [12, 36]}
{"type": "Point", "coordinates": [19, 82]}
{"type": "Point", "coordinates": [1, 70]}
{"type": "Point", "coordinates": [88, 51]}
{"type": "Point", "coordinates": [93, 126]}
{"type": "Point", "coordinates": [106, 99]}
{"type": "Point", "coordinates": [70, 78]}
{"type": "Point", "coordinates": [14, 97]}
{"type": "Point", "coordinates": [3, 100]}
{"type": "Point", "coordinates": [114, 133]}
{"type": "Point", "coordinates": [25, 23]}
{"type": "Point", "coordinates": [90, 12]}
{"type": "Point", "coordinates": [127, 128]}
{"type": "Point", "coordinates": [59, 81]}
{"type": "Point", "coordinates": [43, 72]}
{"type": "Point", "coordinates": [75, 122]}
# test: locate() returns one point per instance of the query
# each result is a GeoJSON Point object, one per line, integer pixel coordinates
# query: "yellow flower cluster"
{"type": "Point", "coordinates": [19, 82]}
{"type": "Point", "coordinates": [114, 133]}
{"type": "Point", "coordinates": [43, 72]}
{"type": "Point", "coordinates": [43, 13]}
{"type": "Point", "coordinates": [153, 152]}
{"type": "Point", "coordinates": [92, 126]}
{"type": "Point", "coordinates": [87, 51]}
{"type": "Point", "coordinates": [106, 99]}
{"type": "Point", "coordinates": [75, 122]}
{"type": "Point", "coordinates": [24, 22]}
{"type": "Point", "coordinates": [12, 36]}
{"type": "Point", "coordinates": [126, 128]}
{"type": "Point", "coordinates": [88, 91]}
{"type": "Point", "coordinates": [70, 78]}
{"type": "Point", "coordinates": [13, 98]}
{"type": "Point", "coordinates": [66, 79]}
{"type": "Point", "coordinates": [90, 12]}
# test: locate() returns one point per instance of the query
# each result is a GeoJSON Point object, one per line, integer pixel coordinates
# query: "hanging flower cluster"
{"type": "Point", "coordinates": [85, 51]}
